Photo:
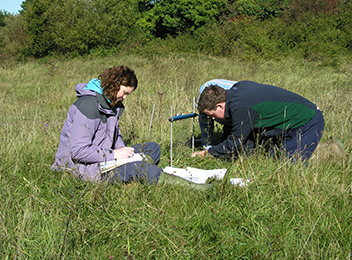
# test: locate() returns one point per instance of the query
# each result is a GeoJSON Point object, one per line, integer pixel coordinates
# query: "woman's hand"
{"type": "Point", "coordinates": [123, 153]}
{"type": "Point", "coordinates": [200, 153]}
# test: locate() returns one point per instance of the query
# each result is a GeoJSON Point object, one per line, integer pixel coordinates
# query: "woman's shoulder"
{"type": "Point", "coordinates": [88, 106]}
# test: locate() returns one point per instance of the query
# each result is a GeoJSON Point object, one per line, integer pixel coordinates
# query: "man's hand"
{"type": "Point", "coordinates": [200, 153]}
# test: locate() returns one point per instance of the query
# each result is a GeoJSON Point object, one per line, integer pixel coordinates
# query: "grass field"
{"type": "Point", "coordinates": [289, 211]}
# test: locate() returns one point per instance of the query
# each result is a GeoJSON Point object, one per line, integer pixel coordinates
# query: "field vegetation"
{"type": "Point", "coordinates": [289, 211]}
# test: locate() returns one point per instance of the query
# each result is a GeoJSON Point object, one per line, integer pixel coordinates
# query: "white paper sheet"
{"type": "Point", "coordinates": [110, 165]}
{"type": "Point", "coordinates": [196, 175]}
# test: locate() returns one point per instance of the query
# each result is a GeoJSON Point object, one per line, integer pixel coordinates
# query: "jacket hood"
{"type": "Point", "coordinates": [87, 89]}
{"type": "Point", "coordinates": [81, 90]}
{"type": "Point", "coordinates": [93, 89]}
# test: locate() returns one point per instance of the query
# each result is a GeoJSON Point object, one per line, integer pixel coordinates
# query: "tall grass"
{"type": "Point", "coordinates": [289, 211]}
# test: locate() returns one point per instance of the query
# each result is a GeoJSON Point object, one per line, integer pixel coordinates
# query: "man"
{"type": "Point", "coordinates": [206, 123]}
{"type": "Point", "coordinates": [266, 115]}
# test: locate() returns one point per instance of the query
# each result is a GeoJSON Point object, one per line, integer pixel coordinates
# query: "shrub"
{"type": "Point", "coordinates": [261, 9]}
{"type": "Point", "coordinates": [77, 27]}
{"type": "Point", "coordinates": [38, 27]}
{"type": "Point", "coordinates": [304, 10]}
{"type": "Point", "coordinates": [245, 38]}
{"type": "Point", "coordinates": [171, 18]}
{"type": "Point", "coordinates": [3, 14]}
{"type": "Point", "coordinates": [13, 36]}
{"type": "Point", "coordinates": [320, 40]}
{"type": "Point", "coordinates": [344, 23]}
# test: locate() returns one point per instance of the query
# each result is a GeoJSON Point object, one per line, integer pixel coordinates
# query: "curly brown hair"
{"type": "Point", "coordinates": [210, 97]}
{"type": "Point", "coordinates": [112, 79]}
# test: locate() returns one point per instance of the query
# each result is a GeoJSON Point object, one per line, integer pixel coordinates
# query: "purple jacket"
{"type": "Point", "coordinates": [89, 135]}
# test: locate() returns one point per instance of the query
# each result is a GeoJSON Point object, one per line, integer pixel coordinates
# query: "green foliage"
{"type": "Point", "coordinates": [322, 41]}
{"type": "Point", "coordinates": [38, 27]}
{"type": "Point", "coordinates": [244, 29]}
{"type": "Point", "coordinates": [172, 17]}
{"type": "Point", "coordinates": [261, 9]}
{"type": "Point", "coordinates": [257, 40]}
{"type": "Point", "coordinates": [3, 15]}
{"type": "Point", "coordinates": [13, 36]}
{"type": "Point", "coordinates": [24, 5]}
{"type": "Point", "coordinates": [76, 27]}
{"type": "Point", "coordinates": [344, 21]}
{"type": "Point", "coordinates": [246, 38]}
{"type": "Point", "coordinates": [324, 38]}
{"type": "Point", "coordinates": [303, 11]}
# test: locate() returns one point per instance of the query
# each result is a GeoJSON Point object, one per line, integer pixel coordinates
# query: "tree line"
{"type": "Point", "coordinates": [316, 30]}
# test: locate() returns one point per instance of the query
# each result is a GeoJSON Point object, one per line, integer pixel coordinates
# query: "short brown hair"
{"type": "Point", "coordinates": [112, 79]}
{"type": "Point", "coordinates": [210, 97]}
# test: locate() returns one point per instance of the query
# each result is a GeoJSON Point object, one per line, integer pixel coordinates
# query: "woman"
{"type": "Point", "coordinates": [91, 134]}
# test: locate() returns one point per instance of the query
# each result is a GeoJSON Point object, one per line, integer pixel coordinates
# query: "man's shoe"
{"type": "Point", "coordinates": [330, 148]}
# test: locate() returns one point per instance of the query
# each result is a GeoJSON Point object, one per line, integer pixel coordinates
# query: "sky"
{"type": "Point", "coordinates": [11, 6]}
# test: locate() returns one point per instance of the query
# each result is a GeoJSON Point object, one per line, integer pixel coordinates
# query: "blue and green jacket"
{"type": "Point", "coordinates": [261, 111]}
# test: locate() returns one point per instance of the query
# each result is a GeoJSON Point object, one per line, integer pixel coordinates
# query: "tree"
{"type": "Point", "coordinates": [261, 9]}
{"type": "Point", "coordinates": [36, 25]}
{"type": "Point", "coordinates": [13, 36]}
{"type": "Point", "coordinates": [304, 10]}
{"type": "Point", "coordinates": [172, 17]}
{"type": "Point", "coordinates": [3, 14]}
{"type": "Point", "coordinates": [78, 26]}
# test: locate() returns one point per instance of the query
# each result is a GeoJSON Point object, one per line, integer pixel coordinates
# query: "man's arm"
{"type": "Point", "coordinates": [242, 124]}
{"type": "Point", "coordinates": [226, 132]}
{"type": "Point", "coordinates": [206, 125]}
